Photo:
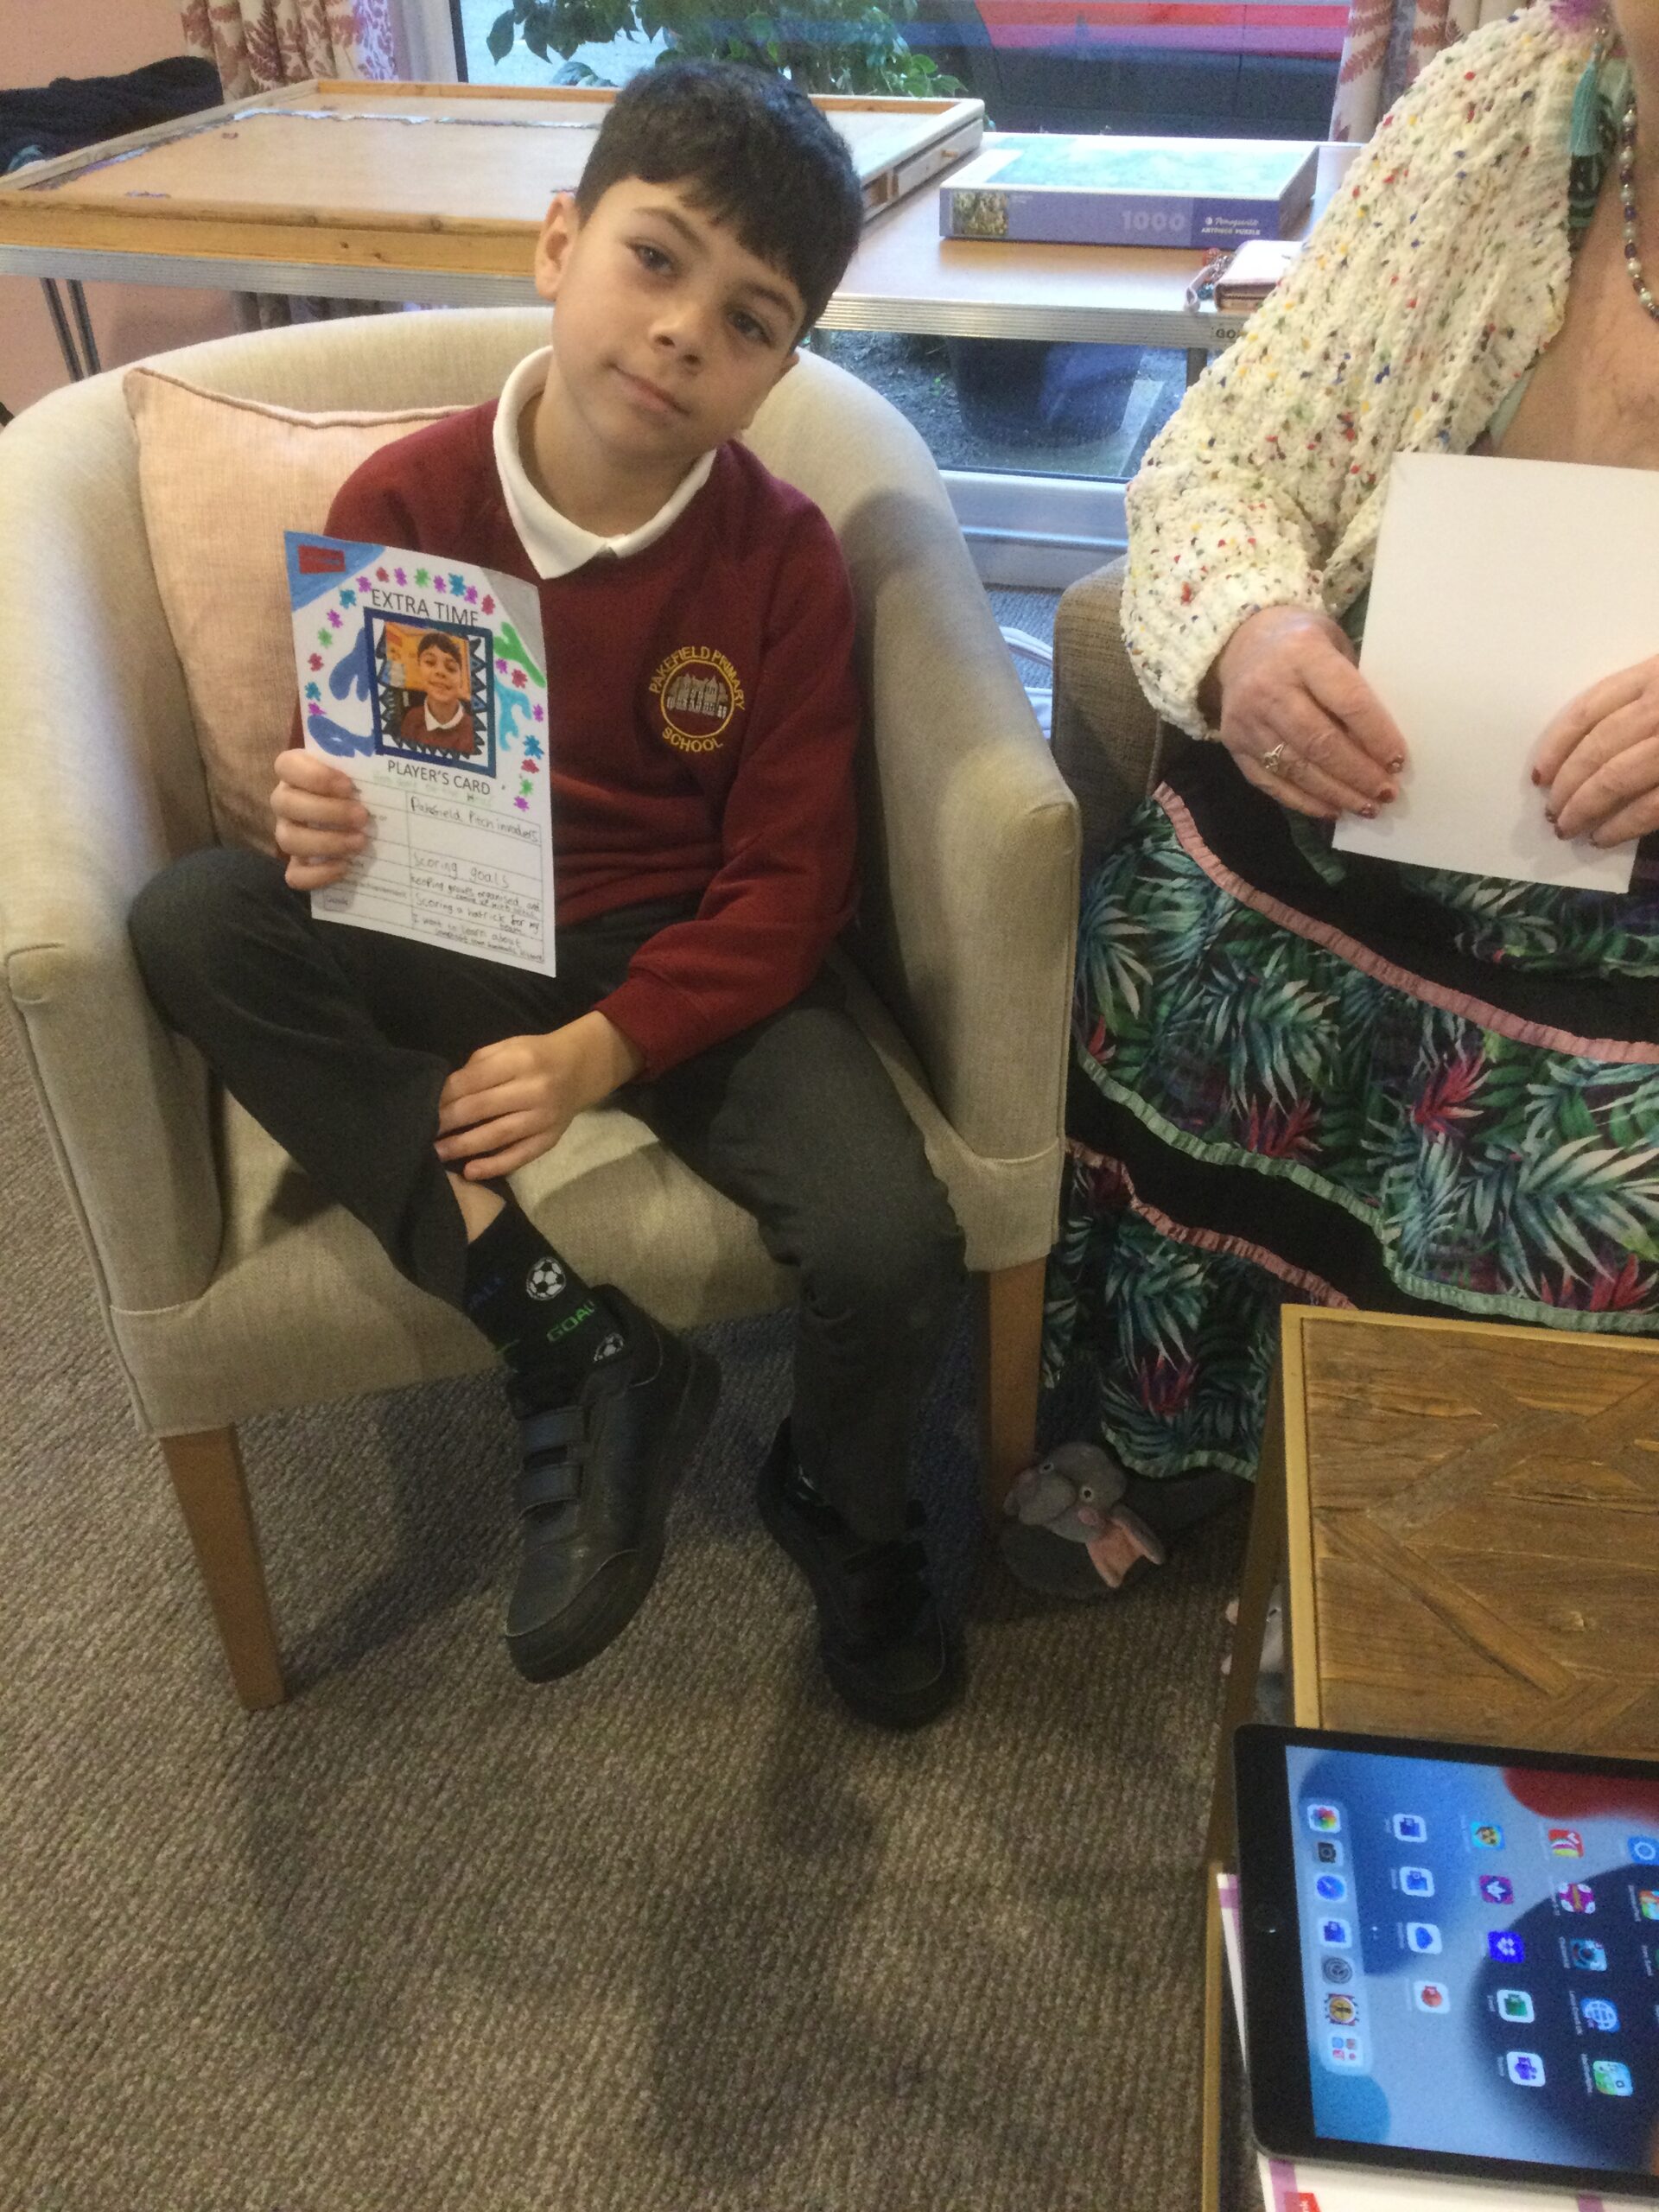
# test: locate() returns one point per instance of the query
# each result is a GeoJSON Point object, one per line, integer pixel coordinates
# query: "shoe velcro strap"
{"type": "Point", "coordinates": [554, 1429]}
{"type": "Point", "coordinates": [559, 1482]}
{"type": "Point", "coordinates": [888, 1586]}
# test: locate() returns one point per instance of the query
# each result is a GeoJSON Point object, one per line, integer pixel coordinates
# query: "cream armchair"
{"type": "Point", "coordinates": [228, 1287]}
{"type": "Point", "coordinates": [1109, 743]}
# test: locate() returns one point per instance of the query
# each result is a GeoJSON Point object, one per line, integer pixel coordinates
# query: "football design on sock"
{"type": "Point", "coordinates": [537, 1311]}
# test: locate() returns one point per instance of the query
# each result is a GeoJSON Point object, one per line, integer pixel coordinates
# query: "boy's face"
{"type": "Point", "coordinates": [669, 332]}
{"type": "Point", "coordinates": [440, 678]}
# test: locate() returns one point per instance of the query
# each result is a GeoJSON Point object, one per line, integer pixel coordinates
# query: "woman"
{"type": "Point", "coordinates": [1301, 1074]}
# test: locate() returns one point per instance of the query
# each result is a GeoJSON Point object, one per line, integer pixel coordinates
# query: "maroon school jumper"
{"type": "Point", "coordinates": [704, 715]}
{"type": "Point", "coordinates": [453, 737]}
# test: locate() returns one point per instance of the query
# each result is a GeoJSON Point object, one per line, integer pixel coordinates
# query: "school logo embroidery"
{"type": "Point", "coordinates": [697, 693]}
{"type": "Point", "coordinates": [545, 1280]}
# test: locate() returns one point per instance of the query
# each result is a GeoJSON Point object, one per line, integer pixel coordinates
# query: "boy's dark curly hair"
{"type": "Point", "coordinates": [746, 148]}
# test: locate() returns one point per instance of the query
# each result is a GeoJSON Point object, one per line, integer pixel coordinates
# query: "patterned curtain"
{"type": "Point", "coordinates": [1388, 43]}
{"type": "Point", "coordinates": [257, 45]}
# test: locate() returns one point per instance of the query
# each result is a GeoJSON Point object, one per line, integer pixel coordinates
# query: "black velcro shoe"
{"type": "Point", "coordinates": [599, 1477]}
{"type": "Point", "coordinates": [887, 1654]}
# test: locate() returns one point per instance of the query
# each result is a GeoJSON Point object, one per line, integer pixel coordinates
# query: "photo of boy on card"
{"type": "Point", "coordinates": [440, 720]}
{"type": "Point", "coordinates": [430, 701]}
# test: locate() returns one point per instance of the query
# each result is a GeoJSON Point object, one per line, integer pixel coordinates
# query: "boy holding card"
{"type": "Point", "coordinates": [705, 720]}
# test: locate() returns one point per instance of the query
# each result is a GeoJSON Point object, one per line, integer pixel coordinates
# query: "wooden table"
{"type": "Point", "coordinates": [1465, 1520]}
{"type": "Point", "coordinates": [225, 198]}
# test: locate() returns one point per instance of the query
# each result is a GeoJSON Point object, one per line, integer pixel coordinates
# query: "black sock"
{"type": "Point", "coordinates": [548, 1324]}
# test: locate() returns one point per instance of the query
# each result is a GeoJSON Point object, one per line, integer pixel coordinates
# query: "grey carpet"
{"type": "Point", "coordinates": [1025, 610]}
{"type": "Point", "coordinates": [672, 1937]}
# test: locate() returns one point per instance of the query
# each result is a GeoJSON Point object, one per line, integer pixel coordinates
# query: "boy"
{"type": "Point", "coordinates": [700, 628]}
{"type": "Point", "coordinates": [442, 720]}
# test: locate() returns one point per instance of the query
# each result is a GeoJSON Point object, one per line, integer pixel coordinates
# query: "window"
{"type": "Point", "coordinates": [1218, 68]}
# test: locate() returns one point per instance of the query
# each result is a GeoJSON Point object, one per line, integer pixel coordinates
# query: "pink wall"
{"type": "Point", "coordinates": [92, 38]}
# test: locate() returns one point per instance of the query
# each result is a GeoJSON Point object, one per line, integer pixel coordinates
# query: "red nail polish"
{"type": "Point", "coordinates": [1370, 813]}
{"type": "Point", "coordinates": [1537, 777]}
{"type": "Point", "coordinates": [1549, 814]}
{"type": "Point", "coordinates": [1396, 764]}
{"type": "Point", "coordinates": [1388, 795]}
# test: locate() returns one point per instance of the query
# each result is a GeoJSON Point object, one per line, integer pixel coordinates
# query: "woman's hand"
{"type": "Point", "coordinates": [321, 823]}
{"type": "Point", "coordinates": [515, 1099]}
{"type": "Point", "coordinates": [1284, 690]}
{"type": "Point", "coordinates": [1599, 759]}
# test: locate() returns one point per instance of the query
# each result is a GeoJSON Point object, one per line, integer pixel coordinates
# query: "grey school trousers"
{"type": "Point", "coordinates": [339, 1041]}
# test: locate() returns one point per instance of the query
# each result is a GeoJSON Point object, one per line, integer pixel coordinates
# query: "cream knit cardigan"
{"type": "Point", "coordinates": [1430, 283]}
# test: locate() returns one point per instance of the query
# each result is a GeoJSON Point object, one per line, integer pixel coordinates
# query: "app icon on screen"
{"type": "Point", "coordinates": [1430, 1996]}
{"type": "Point", "coordinates": [1335, 1934]}
{"type": "Point", "coordinates": [1513, 2005]}
{"type": "Point", "coordinates": [1326, 1820]}
{"type": "Point", "coordinates": [1327, 1853]}
{"type": "Point", "coordinates": [1332, 1888]}
{"type": "Point", "coordinates": [1647, 1904]}
{"type": "Point", "coordinates": [1486, 1835]}
{"type": "Point", "coordinates": [1576, 1897]}
{"type": "Point", "coordinates": [1422, 1935]}
{"type": "Point", "coordinates": [1588, 1956]}
{"type": "Point", "coordinates": [1343, 2049]}
{"type": "Point", "coordinates": [1525, 2066]}
{"type": "Point", "coordinates": [1504, 1943]}
{"type": "Point", "coordinates": [1341, 2012]}
{"type": "Point", "coordinates": [1612, 2077]}
{"type": "Point", "coordinates": [1410, 1827]}
{"type": "Point", "coordinates": [1336, 1969]}
{"type": "Point", "coordinates": [1645, 1849]}
{"type": "Point", "coordinates": [1417, 1881]}
{"type": "Point", "coordinates": [1564, 1843]}
{"type": "Point", "coordinates": [1599, 2013]}
{"type": "Point", "coordinates": [1497, 1888]}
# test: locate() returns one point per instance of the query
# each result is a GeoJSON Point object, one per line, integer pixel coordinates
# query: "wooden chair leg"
{"type": "Point", "coordinates": [1010, 1344]}
{"type": "Point", "coordinates": [212, 1494]}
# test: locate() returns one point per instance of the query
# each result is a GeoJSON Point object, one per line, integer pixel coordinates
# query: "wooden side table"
{"type": "Point", "coordinates": [1465, 1519]}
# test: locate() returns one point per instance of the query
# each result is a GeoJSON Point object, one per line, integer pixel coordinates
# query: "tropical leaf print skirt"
{"type": "Point", "coordinates": [1300, 1075]}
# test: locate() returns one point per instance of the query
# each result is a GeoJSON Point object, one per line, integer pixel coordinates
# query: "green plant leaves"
{"type": "Point", "coordinates": [822, 45]}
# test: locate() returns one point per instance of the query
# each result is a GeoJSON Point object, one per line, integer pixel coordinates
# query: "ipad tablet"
{"type": "Point", "coordinates": [1452, 1957]}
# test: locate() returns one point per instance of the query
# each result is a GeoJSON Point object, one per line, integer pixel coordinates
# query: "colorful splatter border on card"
{"type": "Point", "coordinates": [336, 583]}
{"type": "Point", "coordinates": [449, 756]}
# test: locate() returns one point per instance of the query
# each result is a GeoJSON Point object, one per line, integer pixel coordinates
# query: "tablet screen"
{"type": "Point", "coordinates": [1479, 1949]}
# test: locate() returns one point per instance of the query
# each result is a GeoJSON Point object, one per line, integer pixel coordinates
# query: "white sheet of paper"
{"type": "Point", "coordinates": [1502, 590]}
{"type": "Point", "coordinates": [461, 849]}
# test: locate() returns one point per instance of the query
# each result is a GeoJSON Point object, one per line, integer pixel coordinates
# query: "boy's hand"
{"type": "Point", "coordinates": [321, 823]}
{"type": "Point", "coordinates": [514, 1100]}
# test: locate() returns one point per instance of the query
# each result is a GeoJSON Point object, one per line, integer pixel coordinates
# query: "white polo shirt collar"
{"type": "Point", "coordinates": [555, 543]}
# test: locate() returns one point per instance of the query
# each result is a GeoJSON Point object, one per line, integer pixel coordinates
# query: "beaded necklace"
{"type": "Point", "coordinates": [1627, 202]}
{"type": "Point", "coordinates": [1604, 132]}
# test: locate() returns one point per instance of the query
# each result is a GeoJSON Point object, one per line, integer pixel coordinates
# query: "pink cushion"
{"type": "Point", "coordinates": [221, 479]}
